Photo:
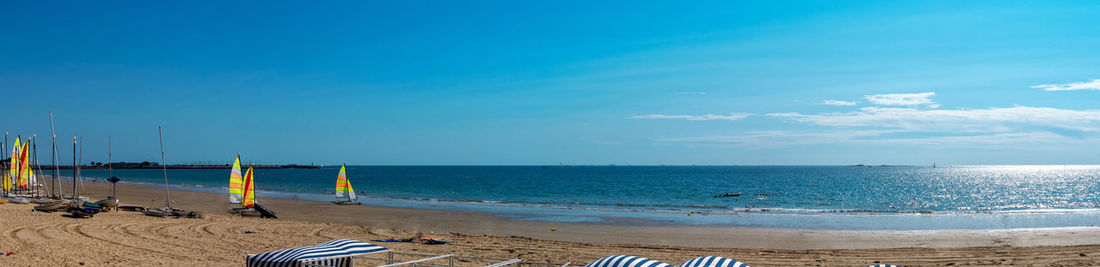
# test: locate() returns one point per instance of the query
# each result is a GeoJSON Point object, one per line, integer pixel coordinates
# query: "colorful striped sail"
{"type": "Point", "coordinates": [14, 170]}
{"type": "Point", "coordinates": [343, 186]}
{"type": "Point", "coordinates": [249, 191]}
{"type": "Point", "coordinates": [235, 182]}
{"type": "Point", "coordinates": [24, 165]}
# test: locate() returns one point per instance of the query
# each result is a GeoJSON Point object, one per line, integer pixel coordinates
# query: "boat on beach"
{"type": "Point", "coordinates": [79, 207]}
{"type": "Point", "coordinates": [56, 205]}
{"type": "Point", "coordinates": [249, 207]}
{"type": "Point", "coordinates": [168, 210]}
{"type": "Point", "coordinates": [19, 200]}
{"type": "Point", "coordinates": [246, 208]}
{"type": "Point", "coordinates": [110, 202]}
{"type": "Point", "coordinates": [20, 186]}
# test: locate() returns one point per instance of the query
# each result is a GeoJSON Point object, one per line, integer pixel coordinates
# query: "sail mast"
{"type": "Point", "coordinates": [110, 171]}
{"type": "Point", "coordinates": [34, 161]}
{"type": "Point", "coordinates": [164, 167]}
{"type": "Point", "coordinates": [2, 166]}
{"type": "Point", "coordinates": [80, 165]}
{"type": "Point", "coordinates": [75, 195]}
{"type": "Point", "coordinates": [57, 169]}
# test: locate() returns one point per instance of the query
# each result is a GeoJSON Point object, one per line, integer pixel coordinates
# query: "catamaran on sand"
{"type": "Point", "coordinates": [168, 210]}
{"type": "Point", "coordinates": [242, 191]}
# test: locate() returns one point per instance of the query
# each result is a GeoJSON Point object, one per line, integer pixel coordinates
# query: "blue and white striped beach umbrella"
{"type": "Point", "coordinates": [332, 253]}
{"type": "Point", "coordinates": [712, 261]}
{"type": "Point", "coordinates": [626, 261]}
{"type": "Point", "coordinates": [885, 265]}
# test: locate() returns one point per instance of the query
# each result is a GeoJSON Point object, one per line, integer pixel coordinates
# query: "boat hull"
{"type": "Point", "coordinates": [57, 205]}
{"type": "Point", "coordinates": [247, 212]}
{"type": "Point", "coordinates": [346, 202]}
{"type": "Point", "coordinates": [264, 212]}
{"type": "Point", "coordinates": [19, 200]}
{"type": "Point", "coordinates": [108, 203]}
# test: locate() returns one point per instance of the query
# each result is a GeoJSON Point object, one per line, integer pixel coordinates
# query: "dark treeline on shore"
{"type": "Point", "coordinates": [154, 165]}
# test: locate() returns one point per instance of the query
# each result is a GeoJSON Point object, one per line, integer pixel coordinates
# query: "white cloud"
{"type": "Point", "coordinates": [840, 103]}
{"type": "Point", "coordinates": [691, 93]}
{"type": "Point", "coordinates": [996, 140]}
{"type": "Point", "coordinates": [707, 117]}
{"type": "Point", "coordinates": [957, 120]}
{"type": "Point", "coordinates": [781, 138]}
{"type": "Point", "coordinates": [915, 120]}
{"type": "Point", "coordinates": [773, 139]}
{"type": "Point", "coordinates": [1092, 85]}
{"type": "Point", "coordinates": [901, 99]}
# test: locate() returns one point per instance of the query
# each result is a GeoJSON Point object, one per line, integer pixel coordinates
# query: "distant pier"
{"type": "Point", "coordinates": [153, 165]}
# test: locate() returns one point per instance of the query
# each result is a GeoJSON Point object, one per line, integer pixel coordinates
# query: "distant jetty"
{"type": "Point", "coordinates": [154, 165]}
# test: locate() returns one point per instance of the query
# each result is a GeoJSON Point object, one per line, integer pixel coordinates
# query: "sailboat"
{"type": "Point", "coordinates": [167, 211]}
{"type": "Point", "coordinates": [59, 203]}
{"type": "Point", "coordinates": [18, 156]}
{"type": "Point", "coordinates": [345, 194]}
{"type": "Point", "coordinates": [24, 165]}
{"type": "Point", "coordinates": [40, 197]}
{"type": "Point", "coordinates": [110, 202]}
{"type": "Point", "coordinates": [249, 207]}
{"type": "Point", "coordinates": [79, 206]}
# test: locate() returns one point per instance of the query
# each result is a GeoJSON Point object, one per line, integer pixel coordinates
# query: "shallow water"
{"type": "Point", "coordinates": [818, 197]}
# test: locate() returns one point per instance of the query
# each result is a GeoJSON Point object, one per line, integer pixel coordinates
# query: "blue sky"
{"type": "Point", "coordinates": [576, 82]}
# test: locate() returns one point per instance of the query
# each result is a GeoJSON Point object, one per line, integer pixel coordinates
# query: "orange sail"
{"type": "Point", "coordinates": [249, 191]}
{"type": "Point", "coordinates": [235, 182]}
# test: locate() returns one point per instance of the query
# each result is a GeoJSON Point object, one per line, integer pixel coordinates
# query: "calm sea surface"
{"type": "Point", "coordinates": [816, 197]}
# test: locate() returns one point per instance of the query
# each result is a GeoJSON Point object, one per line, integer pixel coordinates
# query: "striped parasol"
{"type": "Point", "coordinates": [712, 261]}
{"type": "Point", "coordinates": [626, 261]}
{"type": "Point", "coordinates": [332, 253]}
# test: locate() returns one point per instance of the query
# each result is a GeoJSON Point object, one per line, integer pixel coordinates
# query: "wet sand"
{"type": "Point", "coordinates": [220, 239]}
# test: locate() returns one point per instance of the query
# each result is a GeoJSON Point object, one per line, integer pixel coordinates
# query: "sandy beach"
{"type": "Point", "coordinates": [129, 238]}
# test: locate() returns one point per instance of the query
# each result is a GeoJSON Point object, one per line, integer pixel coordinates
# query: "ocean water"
{"type": "Point", "coordinates": [812, 197]}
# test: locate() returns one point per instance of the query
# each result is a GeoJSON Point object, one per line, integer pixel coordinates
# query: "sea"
{"type": "Point", "coordinates": [799, 197]}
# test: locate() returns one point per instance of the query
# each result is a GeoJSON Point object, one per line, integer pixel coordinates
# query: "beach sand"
{"type": "Point", "coordinates": [220, 239]}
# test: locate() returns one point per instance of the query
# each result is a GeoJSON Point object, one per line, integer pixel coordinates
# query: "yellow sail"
{"type": "Point", "coordinates": [235, 182]}
{"type": "Point", "coordinates": [343, 186]}
{"type": "Point", "coordinates": [249, 191]}
{"type": "Point", "coordinates": [14, 170]}
{"type": "Point", "coordinates": [7, 182]}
